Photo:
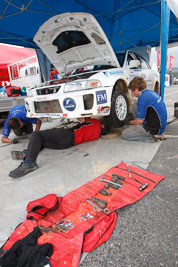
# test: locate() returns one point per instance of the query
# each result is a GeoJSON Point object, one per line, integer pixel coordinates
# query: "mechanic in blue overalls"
{"type": "Point", "coordinates": [19, 123]}
{"type": "Point", "coordinates": [151, 114]}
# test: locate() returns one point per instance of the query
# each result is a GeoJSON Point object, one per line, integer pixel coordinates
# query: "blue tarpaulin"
{"type": "Point", "coordinates": [127, 23]}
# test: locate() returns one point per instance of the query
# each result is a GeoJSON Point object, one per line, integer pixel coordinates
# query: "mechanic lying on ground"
{"type": "Point", "coordinates": [151, 116]}
{"type": "Point", "coordinates": [20, 123]}
{"type": "Point", "coordinates": [57, 138]}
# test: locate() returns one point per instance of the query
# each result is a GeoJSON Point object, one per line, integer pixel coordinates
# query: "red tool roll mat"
{"type": "Point", "coordinates": [77, 225]}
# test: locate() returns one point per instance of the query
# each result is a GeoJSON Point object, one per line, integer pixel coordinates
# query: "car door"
{"type": "Point", "coordinates": [136, 71]}
{"type": "Point", "coordinates": [147, 72]}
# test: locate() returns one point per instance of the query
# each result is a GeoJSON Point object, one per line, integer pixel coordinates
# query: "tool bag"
{"type": "Point", "coordinates": [39, 208]}
{"type": "Point", "coordinates": [86, 233]}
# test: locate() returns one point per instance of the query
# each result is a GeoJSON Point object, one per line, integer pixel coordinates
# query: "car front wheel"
{"type": "Point", "coordinates": [119, 109]}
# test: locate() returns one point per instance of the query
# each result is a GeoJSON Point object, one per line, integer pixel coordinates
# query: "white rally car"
{"type": "Point", "coordinates": [98, 81]}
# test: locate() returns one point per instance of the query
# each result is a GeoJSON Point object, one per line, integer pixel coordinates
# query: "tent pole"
{"type": "Point", "coordinates": [165, 17]}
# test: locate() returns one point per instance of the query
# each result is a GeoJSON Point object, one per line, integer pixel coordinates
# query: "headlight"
{"type": "Point", "coordinates": [81, 85]}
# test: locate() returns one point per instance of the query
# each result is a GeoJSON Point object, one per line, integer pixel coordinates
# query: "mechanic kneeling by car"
{"type": "Point", "coordinates": [18, 121]}
{"type": "Point", "coordinates": [56, 138]}
{"type": "Point", "coordinates": [151, 116]}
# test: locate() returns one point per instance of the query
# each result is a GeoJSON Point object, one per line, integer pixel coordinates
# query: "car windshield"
{"type": "Point", "coordinates": [120, 57]}
{"type": "Point", "coordinates": [92, 68]}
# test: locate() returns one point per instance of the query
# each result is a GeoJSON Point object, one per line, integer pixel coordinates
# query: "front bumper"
{"type": "Point", "coordinates": [70, 105]}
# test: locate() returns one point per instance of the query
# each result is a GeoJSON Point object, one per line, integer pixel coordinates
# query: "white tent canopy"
{"type": "Point", "coordinates": [173, 5]}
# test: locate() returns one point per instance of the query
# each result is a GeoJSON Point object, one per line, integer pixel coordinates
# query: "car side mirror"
{"type": "Point", "coordinates": [134, 64]}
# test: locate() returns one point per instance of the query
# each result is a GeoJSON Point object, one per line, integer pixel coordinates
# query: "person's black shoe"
{"type": "Point", "coordinates": [23, 169]}
{"type": "Point", "coordinates": [19, 154]}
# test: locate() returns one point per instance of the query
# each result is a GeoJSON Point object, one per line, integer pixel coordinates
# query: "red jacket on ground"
{"type": "Point", "coordinates": [88, 131]}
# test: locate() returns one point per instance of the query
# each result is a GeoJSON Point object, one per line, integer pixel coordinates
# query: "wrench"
{"type": "Point", "coordinates": [69, 223]}
{"type": "Point", "coordinates": [106, 211]}
{"type": "Point", "coordinates": [109, 182]}
{"type": "Point", "coordinates": [88, 215]}
{"type": "Point", "coordinates": [82, 217]}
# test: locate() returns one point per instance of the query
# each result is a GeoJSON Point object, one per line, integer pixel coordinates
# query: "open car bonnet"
{"type": "Point", "coordinates": [74, 40]}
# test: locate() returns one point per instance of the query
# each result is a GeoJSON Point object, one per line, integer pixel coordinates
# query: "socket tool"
{"type": "Point", "coordinates": [105, 192]}
{"type": "Point", "coordinates": [101, 203]}
{"type": "Point", "coordinates": [142, 186]}
{"type": "Point", "coordinates": [106, 210]}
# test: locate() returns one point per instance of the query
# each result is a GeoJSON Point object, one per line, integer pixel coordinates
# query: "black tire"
{"type": "Point", "coordinates": [119, 109]}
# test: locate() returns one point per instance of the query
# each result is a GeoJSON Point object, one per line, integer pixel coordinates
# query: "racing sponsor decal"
{"type": "Point", "coordinates": [69, 104]}
{"type": "Point", "coordinates": [102, 109]}
{"type": "Point", "coordinates": [101, 97]}
{"type": "Point", "coordinates": [116, 72]}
